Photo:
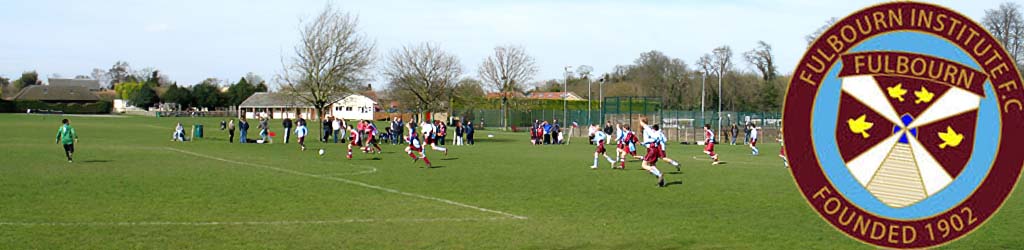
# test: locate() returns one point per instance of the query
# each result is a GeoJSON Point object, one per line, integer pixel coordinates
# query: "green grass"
{"type": "Point", "coordinates": [127, 171]}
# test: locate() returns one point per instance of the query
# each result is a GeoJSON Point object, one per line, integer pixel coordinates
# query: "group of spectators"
{"type": "Point", "coordinates": [334, 130]}
{"type": "Point", "coordinates": [545, 133]}
{"type": "Point", "coordinates": [734, 132]}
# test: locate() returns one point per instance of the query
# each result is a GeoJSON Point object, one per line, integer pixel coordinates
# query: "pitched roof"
{"type": "Point", "coordinates": [272, 100]}
{"type": "Point", "coordinates": [498, 95]}
{"type": "Point", "coordinates": [56, 94]}
{"type": "Point", "coordinates": [87, 83]}
{"type": "Point", "coordinates": [554, 95]}
{"type": "Point", "coordinates": [282, 100]}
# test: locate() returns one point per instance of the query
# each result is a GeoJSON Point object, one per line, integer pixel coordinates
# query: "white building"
{"type": "Point", "coordinates": [280, 106]}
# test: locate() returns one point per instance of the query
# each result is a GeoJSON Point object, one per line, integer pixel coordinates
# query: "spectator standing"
{"type": "Point", "coordinates": [400, 131]}
{"type": "Point", "coordinates": [608, 129]}
{"type": "Point", "coordinates": [556, 132]}
{"type": "Point", "coordinates": [231, 131]}
{"type": "Point", "coordinates": [336, 127]}
{"type": "Point", "coordinates": [442, 131]}
{"type": "Point", "coordinates": [325, 125]}
{"type": "Point", "coordinates": [547, 132]}
{"type": "Point", "coordinates": [243, 130]}
{"type": "Point", "coordinates": [393, 130]}
{"type": "Point", "coordinates": [469, 132]}
{"type": "Point", "coordinates": [746, 132]}
{"type": "Point", "coordinates": [458, 133]}
{"type": "Point", "coordinates": [735, 133]}
{"type": "Point", "coordinates": [287, 125]}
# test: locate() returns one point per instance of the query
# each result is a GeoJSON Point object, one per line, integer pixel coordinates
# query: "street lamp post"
{"type": "Point", "coordinates": [565, 96]}
{"type": "Point", "coordinates": [719, 104]}
{"type": "Point", "coordinates": [601, 96]}
{"type": "Point", "coordinates": [703, 79]}
{"type": "Point", "coordinates": [590, 101]}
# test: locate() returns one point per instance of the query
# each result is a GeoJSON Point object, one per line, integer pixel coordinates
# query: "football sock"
{"type": "Point", "coordinates": [655, 172]}
{"type": "Point", "coordinates": [425, 160]}
{"type": "Point", "coordinates": [610, 160]}
{"type": "Point", "coordinates": [595, 161]}
{"type": "Point", "coordinates": [673, 162]}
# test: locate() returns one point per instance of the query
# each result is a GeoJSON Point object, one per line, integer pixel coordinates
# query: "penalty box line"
{"type": "Point", "coordinates": [352, 182]}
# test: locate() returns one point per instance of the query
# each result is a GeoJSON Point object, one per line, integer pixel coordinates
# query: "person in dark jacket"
{"type": "Point", "coordinates": [326, 127]}
{"type": "Point", "coordinates": [287, 125]}
{"type": "Point", "coordinates": [459, 132]}
{"type": "Point", "coordinates": [469, 132]}
{"type": "Point", "coordinates": [243, 130]}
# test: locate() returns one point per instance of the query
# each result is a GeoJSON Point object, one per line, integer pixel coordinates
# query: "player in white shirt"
{"type": "Point", "coordinates": [430, 136]}
{"type": "Point", "coordinates": [753, 140]}
{"type": "Point", "coordinates": [599, 139]}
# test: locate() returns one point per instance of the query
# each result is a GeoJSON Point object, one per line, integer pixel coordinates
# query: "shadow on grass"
{"type": "Point", "coordinates": [674, 183]}
{"type": "Point", "coordinates": [96, 161]}
{"type": "Point", "coordinates": [450, 159]}
{"type": "Point", "coordinates": [433, 167]}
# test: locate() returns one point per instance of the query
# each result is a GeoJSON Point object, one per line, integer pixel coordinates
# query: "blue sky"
{"type": "Point", "coordinates": [190, 40]}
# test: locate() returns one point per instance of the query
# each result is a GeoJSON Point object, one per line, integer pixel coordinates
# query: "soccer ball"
{"type": "Point", "coordinates": [322, 152]}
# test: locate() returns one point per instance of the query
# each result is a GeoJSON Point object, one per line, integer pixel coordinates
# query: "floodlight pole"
{"type": "Point", "coordinates": [590, 101]}
{"type": "Point", "coordinates": [601, 94]}
{"type": "Point", "coordinates": [565, 96]}
{"type": "Point", "coordinates": [704, 78]}
{"type": "Point", "coordinates": [719, 104]}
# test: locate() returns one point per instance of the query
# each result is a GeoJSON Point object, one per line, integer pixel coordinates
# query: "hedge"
{"type": "Point", "coordinates": [101, 107]}
{"type": "Point", "coordinates": [7, 106]}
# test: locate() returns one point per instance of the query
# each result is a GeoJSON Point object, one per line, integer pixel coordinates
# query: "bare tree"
{"type": "Point", "coordinates": [425, 74]}
{"type": "Point", "coordinates": [118, 73]}
{"type": "Point", "coordinates": [763, 60]}
{"type": "Point", "coordinates": [100, 75]}
{"type": "Point", "coordinates": [721, 60]}
{"type": "Point", "coordinates": [1007, 25]}
{"type": "Point", "coordinates": [505, 72]}
{"type": "Point", "coordinates": [814, 35]}
{"type": "Point", "coordinates": [331, 58]}
{"type": "Point", "coordinates": [584, 71]}
{"type": "Point", "coordinates": [253, 78]}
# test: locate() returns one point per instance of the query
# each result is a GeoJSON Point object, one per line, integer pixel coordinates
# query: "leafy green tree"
{"type": "Point", "coordinates": [180, 95]}
{"type": "Point", "coordinates": [207, 94]}
{"type": "Point", "coordinates": [143, 97]}
{"type": "Point", "coordinates": [238, 92]}
{"type": "Point", "coordinates": [125, 90]}
{"type": "Point", "coordinates": [27, 78]}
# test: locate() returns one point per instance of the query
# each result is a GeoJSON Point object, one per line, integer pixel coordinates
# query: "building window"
{"type": "Point", "coordinates": [348, 108]}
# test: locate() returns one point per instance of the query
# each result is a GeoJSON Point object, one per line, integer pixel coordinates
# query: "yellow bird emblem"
{"type": "Point", "coordinates": [923, 96]}
{"type": "Point", "coordinates": [860, 125]}
{"type": "Point", "coordinates": [950, 138]}
{"type": "Point", "coordinates": [897, 91]}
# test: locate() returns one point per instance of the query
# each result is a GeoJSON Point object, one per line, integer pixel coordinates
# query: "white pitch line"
{"type": "Point", "coordinates": [369, 170]}
{"type": "Point", "coordinates": [251, 223]}
{"type": "Point", "coordinates": [357, 183]}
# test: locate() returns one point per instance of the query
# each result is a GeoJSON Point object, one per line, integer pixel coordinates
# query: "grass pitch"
{"type": "Point", "coordinates": [132, 188]}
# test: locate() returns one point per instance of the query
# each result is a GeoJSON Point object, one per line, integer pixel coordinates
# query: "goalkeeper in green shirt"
{"type": "Point", "coordinates": [66, 135]}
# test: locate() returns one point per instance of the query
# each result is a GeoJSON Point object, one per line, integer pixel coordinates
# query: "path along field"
{"type": "Point", "coordinates": [132, 188]}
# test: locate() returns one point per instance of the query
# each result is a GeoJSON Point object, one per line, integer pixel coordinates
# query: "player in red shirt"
{"type": "Point", "coordinates": [709, 144]}
{"type": "Point", "coordinates": [782, 150]}
{"type": "Point", "coordinates": [415, 146]}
